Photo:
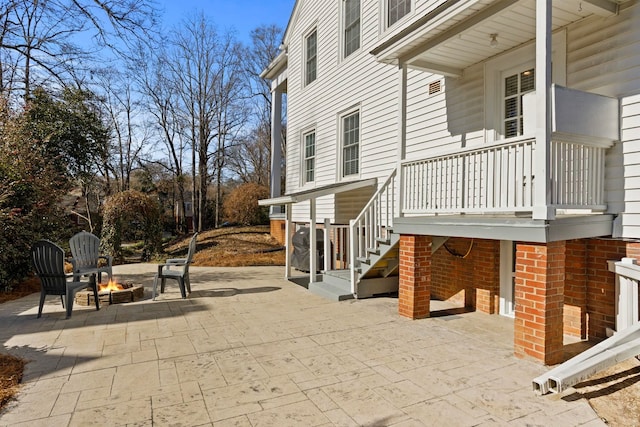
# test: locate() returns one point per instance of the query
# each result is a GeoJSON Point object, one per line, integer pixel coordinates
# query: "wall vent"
{"type": "Point", "coordinates": [435, 87]}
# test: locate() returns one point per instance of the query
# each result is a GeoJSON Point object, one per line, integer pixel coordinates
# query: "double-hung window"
{"type": "Point", "coordinates": [396, 10]}
{"type": "Point", "coordinates": [351, 144]}
{"type": "Point", "coordinates": [309, 161]}
{"type": "Point", "coordinates": [351, 26]}
{"type": "Point", "coordinates": [311, 57]}
{"type": "Point", "coordinates": [516, 84]}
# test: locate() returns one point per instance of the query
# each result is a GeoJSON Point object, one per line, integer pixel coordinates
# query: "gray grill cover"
{"type": "Point", "coordinates": [300, 256]}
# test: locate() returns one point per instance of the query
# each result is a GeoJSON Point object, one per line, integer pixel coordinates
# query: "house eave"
{"type": "Point", "coordinates": [276, 66]}
{"type": "Point", "coordinates": [314, 193]}
{"type": "Point", "coordinates": [508, 227]}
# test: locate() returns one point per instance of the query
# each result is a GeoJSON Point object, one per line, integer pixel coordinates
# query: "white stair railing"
{"type": "Point", "coordinates": [374, 223]}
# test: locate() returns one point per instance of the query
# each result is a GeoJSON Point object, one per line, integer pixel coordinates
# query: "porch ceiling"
{"type": "Point", "coordinates": [507, 227]}
{"type": "Point", "coordinates": [458, 33]}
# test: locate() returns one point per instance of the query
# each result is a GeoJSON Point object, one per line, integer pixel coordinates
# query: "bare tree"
{"type": "Point", "coordinates": [125, 117]}
{"type": "Point", "coordinates": [231, 111]}
{"type": "Point", "coordinates": [265, 46]}
{"type": "Point", "coordinates": [37, 37]}
{"type": "Point", "coordinates": [208, 79]}
{"type": "Point", "coordinates": [162, 103]}
{"type": "Point", "coordinates": [250, 161]}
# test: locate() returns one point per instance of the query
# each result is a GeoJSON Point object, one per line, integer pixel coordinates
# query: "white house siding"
{"type": "Point", "coordinates": [358, 81]}
{"type": "Point", "coordinates": [446, 121]}
{"type": "Point", "coordinates": [603, 57]}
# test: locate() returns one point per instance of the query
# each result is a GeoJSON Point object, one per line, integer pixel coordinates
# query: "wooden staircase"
{"type": "Point", "coordinates": [373, 252]}
{"type": "Point", "coordinates": [377, 273]}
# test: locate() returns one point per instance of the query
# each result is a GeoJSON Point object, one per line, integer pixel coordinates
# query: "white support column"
{"type": "Point", "coordinates": [328, 254]}
{"type": "Point", "coordinates": [312, 241]}
{"type": "Point", "coordinates": [402, 136]}
{"type": "Point", "coordinates": [542, 200]}
{"type": "Point", "coordinates": [276, 145]}
{"type": "Point", "coordinates": [288, 240]}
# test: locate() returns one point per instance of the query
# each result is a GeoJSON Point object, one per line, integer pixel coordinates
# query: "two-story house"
{"type": "Point", "coordinates": [485, 152]}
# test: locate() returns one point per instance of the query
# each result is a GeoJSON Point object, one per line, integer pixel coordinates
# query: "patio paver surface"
{"type": "Point", "coordinates": [248, 348]}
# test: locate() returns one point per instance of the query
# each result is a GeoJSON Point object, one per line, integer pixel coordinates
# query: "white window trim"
{"type": "Point", "coordinates": [384, 18]}
{"type": "Point", "coordinates": [306, 35]}
{"type": "Point", "coordinates": [303, 156]}
{"type": "Point", "coordinates": [523, 57]}
{"type": "Point", "coordinates": [340, 145]}
{"type": "Point", "coordinates": [342, 30]}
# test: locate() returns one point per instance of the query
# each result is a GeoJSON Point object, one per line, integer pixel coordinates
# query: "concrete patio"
{"type": "Point", "coordinates": [251, 349]}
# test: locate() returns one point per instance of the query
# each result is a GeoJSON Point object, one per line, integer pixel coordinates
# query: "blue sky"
{"type": "Point", "coordinates": [239, 15]}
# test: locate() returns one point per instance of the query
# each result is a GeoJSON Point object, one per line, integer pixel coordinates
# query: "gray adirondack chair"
{"type": "Point", "coordinates": [85, 256]}
{"type": "Point", "coordinates": [180, 274]}
{"type": "Point", "coordinates": [48, 260]}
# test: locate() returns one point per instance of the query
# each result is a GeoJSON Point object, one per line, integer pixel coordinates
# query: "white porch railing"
{"type": "Point", "coordinates": [501, 178]}
{"type": "Point", "coordinates": [372, 224]}
{"type": "Point", "coordinates": [336, 246]}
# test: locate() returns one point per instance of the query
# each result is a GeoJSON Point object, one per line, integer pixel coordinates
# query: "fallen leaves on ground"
{"type": "Point", "coordinates": [232, 247]}
{"type": "Point", "coordinates": [11, 369]}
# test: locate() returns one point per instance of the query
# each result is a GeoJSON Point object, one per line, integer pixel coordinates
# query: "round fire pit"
{"type": "Point", "coordinates": [112, 293]}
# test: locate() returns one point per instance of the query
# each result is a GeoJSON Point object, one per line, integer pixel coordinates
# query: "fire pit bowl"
{"type": "Point", "coordinates": [112, 293]}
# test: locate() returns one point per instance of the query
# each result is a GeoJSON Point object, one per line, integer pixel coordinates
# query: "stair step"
{"type": "Point", "coordinates": [332, 287]}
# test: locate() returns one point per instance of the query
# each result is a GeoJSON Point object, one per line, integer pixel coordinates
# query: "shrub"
{"type": "Point", "coordinates": [132, 213]}
{"type": "Point", "coordinates": [30, 188]}
{"type": "Point", "coordinates": [241, 206]}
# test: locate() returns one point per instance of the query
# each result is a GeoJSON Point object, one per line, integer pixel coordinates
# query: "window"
{"type": "Point", "coordinates": [515, 86]}
{"type": "Point", "coordinates": [396, 10]}
{"type": "Point", "coordinates": [351, 26]}
{"type": "Point", "coordinates": [350, 144]}
{"type": "Point", "coordinates": [309, 156]}
{"type": "Point", "coordinates": [311, 57]}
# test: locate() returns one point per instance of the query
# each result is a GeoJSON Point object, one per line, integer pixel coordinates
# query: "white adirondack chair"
{"type": "Point", "coordinates": [85, 257]}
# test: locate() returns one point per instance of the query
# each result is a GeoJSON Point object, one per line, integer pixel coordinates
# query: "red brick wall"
{"type": "Point", "coordinates": [540, 275]}
{"type": "Point", "coordinates": [415, 276]}
{"type": "Point", "coordinates": [473, 281]}
{"type": "Point", "coordinates": [486, 275]}
{"type": "Point", "coordinates": [278, 230]}
{"type": "Point", "coordinates": [575, 289]}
